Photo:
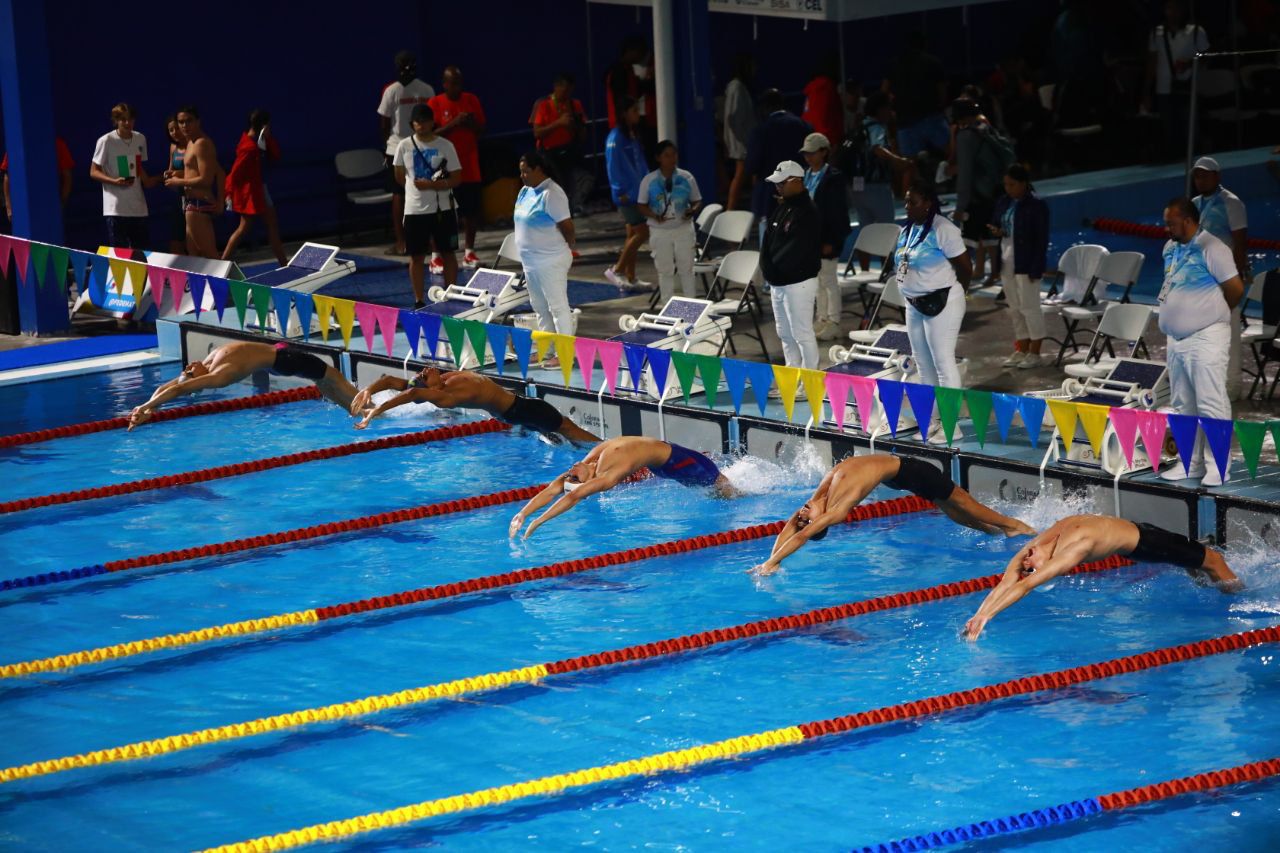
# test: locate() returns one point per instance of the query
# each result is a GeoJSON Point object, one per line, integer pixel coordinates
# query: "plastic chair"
{"type": "Point", "coordinates": [740, 268]}
{"type": "Point", "coordinates": [1261, 337]}
{"type": "Point", "coordinates": [878, 240]}
{"type": "Point", "coordinates": [890, 297]}
{"type": "Point", "coordinates": [508, 251]}
{"type": "Point", "coordinates": [1120, 322]}
{"type": "Point", "coordinates": [1120, 268]}
{"type": "Point", "coordinates": [1076, 267]}
{"type": "Point", "coordinates": [357, 168]}
{"type": "Point", "coordinates": [702, 226]}
{"type": "Point", "coordinates": [732, 227]}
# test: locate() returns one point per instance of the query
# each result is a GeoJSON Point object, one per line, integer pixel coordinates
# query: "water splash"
{"type": "Point", "coordinates": [756, 476]}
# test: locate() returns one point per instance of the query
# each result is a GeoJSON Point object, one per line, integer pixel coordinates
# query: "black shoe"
{"type": "Point", "coordinates": [418, 306]}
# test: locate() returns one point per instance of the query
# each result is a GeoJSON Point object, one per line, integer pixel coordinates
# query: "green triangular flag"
{"type": "Point", "coordinates": [948, 400]}
{"type": "Point", "coordinates": [59, 257]}
{"type": "Point", "coordinates": [479, 337]}
{"type": "Point", "coordinates": [686, 365]}
{"type": "Point", "coordinates": [979, 403]}
{"type": "Point", "coordinates": [39, 260]}
{"type": "Point", "coordinates": [709, 368]}
{"type": "Point", "coordinates": [1250, 435]}
{"type": "Point", "coordinates": [261, 303]}
{"type": "Point", "coordinates": [239, 298]}
{"type": "Point", "coordinates": [457, 337]}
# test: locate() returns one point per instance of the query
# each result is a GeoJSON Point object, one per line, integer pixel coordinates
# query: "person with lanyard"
{"type": "Point", "coordinates": [790, 259]}
{"type": "Point", "coordinates": [428, 167]}
{"type": "Point", "coordinates": [932, 270]}
{"type": "Point", "coordinates": [669, 199]}
{"type": "Point", "coordinates": [826, 186]}
{"type": "Point", "coordinates": [1201, 286]}
{"type": "Point", "coordinates": [544, 239]}
{"type": "Point", "coordinates": [1021, 223]}
{"type": "Point", "coordinates": [1223, 215]}
{"type": "Point", "coordinates": [625, 166]}
{"type": "Point", "coordinates": [399, 97]}
{"type": "Point", "coordinates": [177, 219]}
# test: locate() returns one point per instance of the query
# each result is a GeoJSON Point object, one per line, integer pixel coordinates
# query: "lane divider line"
{"type": "Point", "coordinates": [683, 759]}
{"type": "Point", "coordinates": [249, 627]}
{"type": "Point", "coordinates": [523, 676]}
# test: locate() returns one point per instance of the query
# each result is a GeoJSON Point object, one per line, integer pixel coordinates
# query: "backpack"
{"type": "Point", "coordinates": [856, 160]}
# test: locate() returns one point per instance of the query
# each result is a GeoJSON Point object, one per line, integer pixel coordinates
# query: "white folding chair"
{"type": "Point", "coordinates": [732, 227]}
{"type": "Point", "coordinates": [878, 240]}
{"type": "Point", "coordinates": [508, 251]}
{"type": "Point", "coordinates": [1076, 267]}
{"type": "Point", "coordinates": [1120, 322]}
{"type": "Point", "coordinates": [702, 230]}
{"type": "Point", "coordinates": [890, 297]}
{"type": "Point", "coordinates": [1119, 268]}
{"type": "Point", "coordinates": [739, 268]}
{"type": "Point", "coordinates": [1260, 337]}
{"type": "Point", "coordinates": [358, 167]}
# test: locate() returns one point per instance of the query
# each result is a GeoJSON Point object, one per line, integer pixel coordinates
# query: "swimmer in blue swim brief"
{"type": "Point", "coordinates": [615, 461]}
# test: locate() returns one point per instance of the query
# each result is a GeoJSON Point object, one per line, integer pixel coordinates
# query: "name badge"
{"type": "Point", "coordinates": [859, 184]}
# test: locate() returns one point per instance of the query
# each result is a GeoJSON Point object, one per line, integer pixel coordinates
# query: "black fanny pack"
{"type": "Point", "coordinates": [932, 303]}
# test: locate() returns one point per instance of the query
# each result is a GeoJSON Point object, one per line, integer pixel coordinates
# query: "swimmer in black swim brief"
{"type": "Point", "coordinates": [850, 481]}
{"type": "Point", "coordinates": [1085, 538]}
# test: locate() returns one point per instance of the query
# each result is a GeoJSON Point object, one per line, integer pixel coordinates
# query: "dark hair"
{"type": "Point", "coordinates": [258, 119]}
{"type": "Point", "coordinates": [563, 77]}
{"type": "Point", "coordinates": [662, 147]}
{"type": "Point", "coordinates": [122, 111]}
{"type": "Point", "coordinates": [1019, 173]}
{"type": "Point", "coordinates": [876, 102]}
{"type": "Point", "coordinates": [820, 535]}
{"type": "Point", "coordinates": [189, 109]}
{"type": "Point", "coordinates": [771, 100]}
{"type": "Point", "coordinates": [1184, 206]}
{"type": "Point", "coordinates": [171, 119]}
{"type": "Point", "coordinates": [928, 192]}
{"type": "Point", "coordinates": [422, 112]}
{"type": "Point", "coordinates": [534, 160]}
{"type": "Point", "coordinates": [964, 108]}
{"type": "Point", "coordinates": [405, 59]}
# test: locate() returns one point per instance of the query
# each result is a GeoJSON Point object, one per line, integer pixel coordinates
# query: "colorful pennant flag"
{"type": "Point", "coordinates": [457, 336]}
{"type": "Point", "coordinates": [1093, 418]}
{"type": "Point", "coordinates": [610, 360]}
{"type": "Point", "coordinates": [1250, 435]}
{"type": "Point", "coordinates": [920, 397]}
{"type": "Point", "coordinates": [431, 333]}
{"type": "Point", "coordinates": [6, 252]}
{"type": "Point", "coordinates": [1032, 411]}
{"type": "Point", "coordinates": [686, 366]}
{"type": "Point", "coordinates": [324, 307]}
{"type": "Point", "coordinates": [282, 300]}
{"type": "Point", "coordinates": [58, 259]}
{"type": "Point", "coordinates": [979, 404]}
{"type": "Point", "coordinates": [1064, 416]}
{"type": "Point", "coordinates": [1124, 422]}
{"type": "Point", "coordinates": [1183, 428]}
{"type": "Point", "coordinates": [1217, 434]}
{"type": "Point", "coordinates": [368, 323]}
{"type": "Point", "coordinates": [635, 355]}
{"type": "Point", "coordinates": [838, 388]}
{"type": "Point", "coordinates": [79, 266]}
{"type": "Point", "coordinates": [239, 291]}
{"type": "Point", "coordinates": [949, 401]}
{"type": "Point", "coordinates": [815, 392]}
{"type": "Point", "coordinates": [177, 288]}
{"type": "Point", "coordinates": [1152, 427]}
{"type": "Point", "coordinates": [198, 284]}
{"type": "Point", "coordinates": [761, 377]}
{"type": "Point", "coordinates": [787, 379]}
{"type": "Point", "coordinates": [1005, 407]}
{"type": "Point", "coordinates": [660, 366]}
{"type": "Point", "coordinates": [522, 345]}
{"type": "Point", "coordinates": [584, 349]}
{"type": "Point", "coordinates": [219, 290]}
{"type": "Point", "coordinates": [864, 396]}
{"type": "Point", "coordinates": [137, 280]}
{"type": "Point", "coordinates": [709, 369]}
{"type": "Point", "coordinates": [891, 402]}
{"type": "Point", "coordinates": [479, 339]}
{"type": "Point", "coordinates": [411, 321]}
{"type": "Point", "coordinates": [305, 306]}
{"type": "Point", "coordinates": [21, 255]}
{"type": "Point", "coordinates": [39, 262]}
{"type": "Point", "coordinates": [497, 343]}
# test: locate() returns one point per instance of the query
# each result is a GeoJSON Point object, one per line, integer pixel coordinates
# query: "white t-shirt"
{"type": "Point", "coordinates": [1185, 43]}
{"type": "Point", "coordinates": [537, 211]}
{"type": "Point", "coordinates": [120, 158]}
{"type": "Point", "coordinates": [1221, 213]}
{"type": "Point", "coordinates": [671, 203]}
{"type": "Point", "coordinates": [398, 101]}
{"type": "Point", "coordinates": [421, 160]}
{"type": "Point", "coordinates": [1191, 298]}
{"type": "Point", "coordinates": [923, 262]}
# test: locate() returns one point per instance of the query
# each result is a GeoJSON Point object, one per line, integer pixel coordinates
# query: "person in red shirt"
{"type": "Point", "coordinates": [823, 106]}
{"type": "Point", "coordinates": [65, 165]}
{"type": "Point", "coordinates": [247, 192]}
{"type": "Point", "coordinates": [461, 120]}
{"type": "Point", "coordinates": [559, 125]}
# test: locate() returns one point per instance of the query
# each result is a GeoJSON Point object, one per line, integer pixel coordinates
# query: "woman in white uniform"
{"type": "Point", "coordinates": [544, 237]}
{"type": "Point", "coordinates": [669, 199]}
{"type": "Point", "coordinates": [933, 270]}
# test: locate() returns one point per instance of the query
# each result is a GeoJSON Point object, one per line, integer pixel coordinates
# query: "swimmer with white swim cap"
{"type": "Point", "coordinates": [1084, 538]}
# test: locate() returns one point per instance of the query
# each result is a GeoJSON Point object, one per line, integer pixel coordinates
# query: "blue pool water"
{"type": "Point", "coordinates": [875, 785]}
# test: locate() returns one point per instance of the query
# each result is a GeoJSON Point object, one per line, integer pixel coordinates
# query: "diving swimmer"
{"type": "Point", "coordinates": [1084, 538]}
{"type": "Point", "coordinates": [611, 462]}
{"type": "Point", "coordinates": [235, 361]}
{"type": "Point", "coordinates": [851, 480]}
{"type": "Point", "coordinates": [461, 389]}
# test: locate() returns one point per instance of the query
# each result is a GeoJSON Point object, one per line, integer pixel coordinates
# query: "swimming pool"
{"type": "Point", "coordinates": [874, 785]}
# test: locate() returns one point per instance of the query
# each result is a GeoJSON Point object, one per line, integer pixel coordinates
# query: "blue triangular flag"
{"type": "Point", "coordinates": [1005, 407]}
{"type": "Point", "coordinates": [306, 308]}
{"type": "Point", "coordinates": [282, 301]}
{"type": "Point", "coordinates": [660, 364]}
{"type": "Point", "coordinates": [921, 399]}
{"type": "Point", "coordinates": [411, 322]}
{"type": "Point", "coordinates": [79, 264]}
{"type": "Point", "coordinates": [761, 376]}
{"type": "Point", "coordinates": [735, 376]}
{"type": "Point", "coordinates": [497, 343]}
{"type": "Point", "coordinates": [431, 329]}
{"type": "Point", "coordinates": [635, 363]}
{"type": "Point", "coordinates": [197, 283]}
{"type": "Point", "coordinates": [221, 292]}
{"type": "Point", "coordinates": [1218, 434]}
{"type": "Point", "coordinates": [891, 402]}
{"type": "Point", "coordinates": [1032, 410]}
{"type": "Point", "coordinates": [522, 343]}
{"type": "Point", "coordinates": [1183, 430]}
{"type": "Point", "coordinates": [101, 266]}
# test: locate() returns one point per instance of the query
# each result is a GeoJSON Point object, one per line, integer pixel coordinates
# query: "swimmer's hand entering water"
{"type": "Point", "coordinates": [517, 521]}
{"type": "Point", "coordinates": [768, 567]}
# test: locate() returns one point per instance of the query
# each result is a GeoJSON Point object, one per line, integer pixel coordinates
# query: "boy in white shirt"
{"type": "Point", "coordinates": [117, 165]}
{"type": "Point", "coordinates": [427, 167]}
{"type": "Point", "coordinates": [397, 103]}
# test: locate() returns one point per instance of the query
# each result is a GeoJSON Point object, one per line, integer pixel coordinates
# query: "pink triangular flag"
{"type": "Point", "coordinates": [1125, 423]}
{"type": "Point", "coordinates": [21, 254]}
{"type": "Point", "coordinates": [177, 288]}
{"type": "Point", "coordinates": [1152, 427]}
{"type": "Point", "coordinates": [158, 280]}
{"type": "Point", "coordinates": [6, 243]}
{"type": "Point", "coordinates": [368, 316]}
{"type": "Point", "coordinates": [838, 385]}
{"type": "Point", "coordinates": [584, 349]}
{"type": "Point", "coordinates": [864, 394]}
{"type": "Point", "coordinates": [610, 357]}
{"type": "Point", "coordinates": [387, 316]}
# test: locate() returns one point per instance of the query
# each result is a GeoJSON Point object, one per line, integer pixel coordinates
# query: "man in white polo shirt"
{"type": "Point", "coordinates": [398, 100]}
{"type": "Point", "coordinates": [1201, 286]}
{"type": "Point", "coordinates": [1223, 215]}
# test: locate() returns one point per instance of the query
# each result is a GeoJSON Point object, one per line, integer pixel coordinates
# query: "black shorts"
{"type": "Point", "coordinates": [393, 186]}
{"type": "Point", "coordinates": [532, 413]}
{"type": "Point", "coordinates": [921, 478]}
{"type": "Point", "coordinates": [1157, 545]}
{"type": "Point", "coordinates": [291, 361]}
{"type": "Point", "coordinates": [421, 228]}
{"type": "Point", "coordinates": [467, 197]}
{"type": "Point", "coordinates": [974, 228]}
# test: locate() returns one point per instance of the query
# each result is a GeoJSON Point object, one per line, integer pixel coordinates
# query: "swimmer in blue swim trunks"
{"type": "Point", "coordinates": [615, 461]}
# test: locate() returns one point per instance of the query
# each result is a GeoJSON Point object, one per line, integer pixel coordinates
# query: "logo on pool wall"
{"type": "Point", "coordinates": [1020, 494]}
{"type": "Point", "coordinates": [585, 419]}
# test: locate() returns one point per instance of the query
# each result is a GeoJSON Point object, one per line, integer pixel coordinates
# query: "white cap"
{"type": "Point", "coordinates": [1208, 164]}
{"type": "Point", "coordinates": [815, 142]}
{"type": "Point", "coordinates": [786, 169]}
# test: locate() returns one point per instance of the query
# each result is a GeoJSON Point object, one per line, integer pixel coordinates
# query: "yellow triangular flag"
{"type": "Point", "coordinates": [119, 270]}
{"type": "Point", "coordinates": [345, 311]}
{"type": "Point", "coordinates": [786, 378]}
{"type": "Point", "coordinates": [564, 352]}
{"type": "Point", "coordinates": [324, 306]}
{"type": "Point", "coordinates": [815, 391]}
{"type": "Point", "coordinates": [1064, 415]}
{"type": "Point", "coordinates": [543, 342]}
{"type": "Point", "coordinates": [1094, 420]}
{"type": "Point", "coordinates": [137, 278]}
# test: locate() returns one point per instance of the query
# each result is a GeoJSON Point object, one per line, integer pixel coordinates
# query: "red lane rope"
{"type": "Point", "coordinates": [256, 401]}
{"type": "Point", "coordinates": [221, 471]}
{"type": "Point", "coordinates": [1157, 232]}
{"type": "Point", "coordinates": [1251, 772]}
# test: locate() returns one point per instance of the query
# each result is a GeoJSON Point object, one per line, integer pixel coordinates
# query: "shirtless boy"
{"type": "Point", "coordinates": [198, 182]}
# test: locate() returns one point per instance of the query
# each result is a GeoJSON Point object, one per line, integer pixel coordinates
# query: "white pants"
{"type": "Point", "coordinates": [933, 340]}
{"type": "Point", "coordinates": [672, 250]}
{"type": "Point", "coordinates": [1235, 379]}
{"type": "Point", "coordinates": [829, 302]}
{"type": "Point", "coordinates": [793, 317]}
{"type": "Point", "coordinates": [1198, 376]}
{"type": "Point", "coordinates": [1023, 295]}
{"type": "Point", "coordinates": [548, 280]}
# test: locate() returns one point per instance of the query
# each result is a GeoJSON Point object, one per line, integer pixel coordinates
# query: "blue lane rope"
{"type": "Point", "coordinates": [1035, 819]}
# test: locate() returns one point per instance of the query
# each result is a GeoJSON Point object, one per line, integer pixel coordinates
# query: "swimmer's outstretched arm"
{"type": "Point", "coordinates": [179, 387]}
{"type": "Point", "coordinates": [568, 500]}
{"type": "Point", "coordinates": [553, 490]}
{"type": "Point", "coordinates": [1014, 585]}
{"type": "Point", "coordinates": [437, 396]}
{"type": "Point", "coordinates": [384, 382]}
{"type": "Point", "coordinates": [783, 548]}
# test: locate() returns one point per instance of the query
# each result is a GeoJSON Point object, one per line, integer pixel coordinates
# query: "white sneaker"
{"type": "Point", "coordinates": [1178, 472]}
{"type": "Point", "coordinates": [1032, 360]}
{"type": "Point", "coordinates": [1212, 478]}
{"type": "Point", "coordinates": [1014, 359]}
{"type": "Point", "coordinates": [640, 284]}
{"type": "Point", "coordinates": [437, 265]}
{"type": "Point", "coordinates": [936, 435]}
{"type": "Point", "coordinates": [611, 275]}
{"type": "Point", "coordinates": [470, 259]}
{"type": "Point", "coordinates": [826, 331]}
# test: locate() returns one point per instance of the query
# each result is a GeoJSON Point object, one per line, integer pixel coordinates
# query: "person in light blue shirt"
{"type": "Point", "coordinates": [1223, 215]}
{"type": "Point", "coordinates": [625, 163]}
{"type": "Point", "coordinates": [669, 199]}
{"type": "Point", "coordinates": [544, 239]}
{"type": "Point", "coordinates": [1201, 286]}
